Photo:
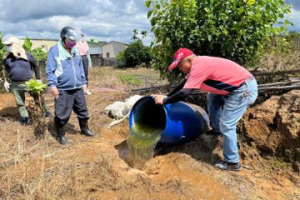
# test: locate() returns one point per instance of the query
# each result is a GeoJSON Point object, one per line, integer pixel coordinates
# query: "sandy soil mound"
{"type": "Point", "coordinates": [274, 127]}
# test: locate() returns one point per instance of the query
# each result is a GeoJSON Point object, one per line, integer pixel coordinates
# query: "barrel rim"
{"type": "Point", "coordinates": [131, 119]}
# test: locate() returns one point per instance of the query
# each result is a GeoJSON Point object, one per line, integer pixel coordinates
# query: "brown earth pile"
{"type": "Point", "coordinates": [274, 128]}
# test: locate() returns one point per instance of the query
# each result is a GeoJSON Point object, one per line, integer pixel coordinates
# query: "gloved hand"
{"type": "Point", "coordinates": [159, 99]}
{"type": "Point", "coordinates": [7, 86]}
{"type": "Point", "coordinates": [38, 80]}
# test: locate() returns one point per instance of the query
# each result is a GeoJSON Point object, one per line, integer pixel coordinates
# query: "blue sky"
{"type": "Point", "coordinates": [295, 16]}
{"type": "Point", "coordinates": [105, 20]}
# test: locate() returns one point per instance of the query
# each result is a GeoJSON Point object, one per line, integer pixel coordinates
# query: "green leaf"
{"type": "Point", "coordinates": [35, 87]}
{"type": "Point", "coordinates": [149, 14]}
{"type": "Point", "coordinates": [153, 21]}
{"type": "Point", "coordinates": [286, 22]}
{"type": "Point", "coordinates": [27, 44]}
{"type": "Point", "coordinates": [250, 2]}
{"type": "Point", "coordinates": [209, 38]}
{"type": "Point", "coordinates": [241, 10]}
{"type": "Point", "coordinates": [148, 3]}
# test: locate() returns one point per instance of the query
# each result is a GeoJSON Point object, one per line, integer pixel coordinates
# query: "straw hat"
{"type": "Point", "coordinates": [11, 40]}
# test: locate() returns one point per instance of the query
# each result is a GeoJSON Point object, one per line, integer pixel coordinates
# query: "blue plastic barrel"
{"type": "Point", "coordinates": [180, 122]}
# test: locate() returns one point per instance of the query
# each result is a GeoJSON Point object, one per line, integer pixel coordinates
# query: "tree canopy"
{"type": "Point", "coordinates": [136, 53]}
{"type": "Point", "coordinates": [233, 29]}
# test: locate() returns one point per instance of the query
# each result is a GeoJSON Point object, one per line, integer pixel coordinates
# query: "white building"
{"type": "Point", "coordinates": [112, 49]}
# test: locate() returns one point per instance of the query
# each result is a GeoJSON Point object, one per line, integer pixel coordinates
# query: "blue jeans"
{"type": "Point", "coordinates": [226, 111]}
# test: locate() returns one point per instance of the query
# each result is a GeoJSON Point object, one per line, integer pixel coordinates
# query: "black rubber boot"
{"type": "Point", "coordinates": [60, 133]}
{"type": "Point", "coordinates": [84, 128]}
{"type": "Point", "coordinates": [24, 121]}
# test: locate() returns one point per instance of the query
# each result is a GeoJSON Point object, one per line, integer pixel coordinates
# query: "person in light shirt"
{"type": "Point", "coordinates": [83, 48]}
{"type": "Point", "coordinates": [231, 89]}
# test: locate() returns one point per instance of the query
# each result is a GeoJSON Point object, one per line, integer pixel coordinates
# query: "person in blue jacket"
{"type": "Point", "coordinates": [67, 83]}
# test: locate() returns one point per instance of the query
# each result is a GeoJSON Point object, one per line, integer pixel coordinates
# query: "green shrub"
{"type": "Point", "coordinates": [233, 29]}
{"type": "Point", "coordinates": [35, 87]}
{"type": "Point", "coordinates": [134, 55]}
{"type": "Point", "coordinates": [37, 53]}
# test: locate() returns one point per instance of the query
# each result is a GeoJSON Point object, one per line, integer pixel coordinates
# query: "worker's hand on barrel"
{"type": "Point", "coordinates": [159, 99]}
{"type": "Point", "coordinates": [54, 92]}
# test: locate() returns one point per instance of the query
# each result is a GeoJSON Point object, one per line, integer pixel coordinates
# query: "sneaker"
{"type": "Point", "coordinates": [213, 132]}
{"type": "Point", "coordinates": [229, 166]}
{"type": "Point", "coordinates": [88, 93]}
{"type": "Point", "coordinates": [24, 121]}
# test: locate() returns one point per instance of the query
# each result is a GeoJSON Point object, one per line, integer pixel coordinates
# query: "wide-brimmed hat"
{"type": "Point", "coordinates": [180, 54]}
{"type": "Point", "coordinates": [11, 40]}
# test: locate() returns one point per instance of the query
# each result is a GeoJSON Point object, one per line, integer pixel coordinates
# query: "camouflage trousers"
{"type": "Point", "coordinates": [19, 89]}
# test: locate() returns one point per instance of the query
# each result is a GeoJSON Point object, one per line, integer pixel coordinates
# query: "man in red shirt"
{"type": "Point", "coordinates": [231, 89]}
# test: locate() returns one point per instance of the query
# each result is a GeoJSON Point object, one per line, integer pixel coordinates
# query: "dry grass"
{"type": "Point", "coordinates": [284, 61]}
{"type": "Point", "coordinates": [55, 178]}
{"type": "Point", "coordinates": [281, 57]}
{"type": "Point", "coordinates": [104, 77]}
{"type": "Point", "coordinates": [108, 77]}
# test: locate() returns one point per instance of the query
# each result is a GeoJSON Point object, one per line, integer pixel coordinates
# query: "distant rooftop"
{"type": "Point", "coordinates": [40, 39]}
{"type": "Point", "coordinates": [95, 41]}
{"type": "Point", "coordinates": [113, 41]}
{"type": "Point", "coordinates": [90, 40]}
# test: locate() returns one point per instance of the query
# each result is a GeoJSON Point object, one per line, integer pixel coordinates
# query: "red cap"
{"type": "Point", "coordinates": [179, 56]}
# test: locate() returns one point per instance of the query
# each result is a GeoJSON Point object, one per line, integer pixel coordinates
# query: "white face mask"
{"type": "Point", "coordinates": [9, 49]}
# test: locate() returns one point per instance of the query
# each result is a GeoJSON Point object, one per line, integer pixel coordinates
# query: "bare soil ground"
{"type": "Point", "coordinates": [37, 167]}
